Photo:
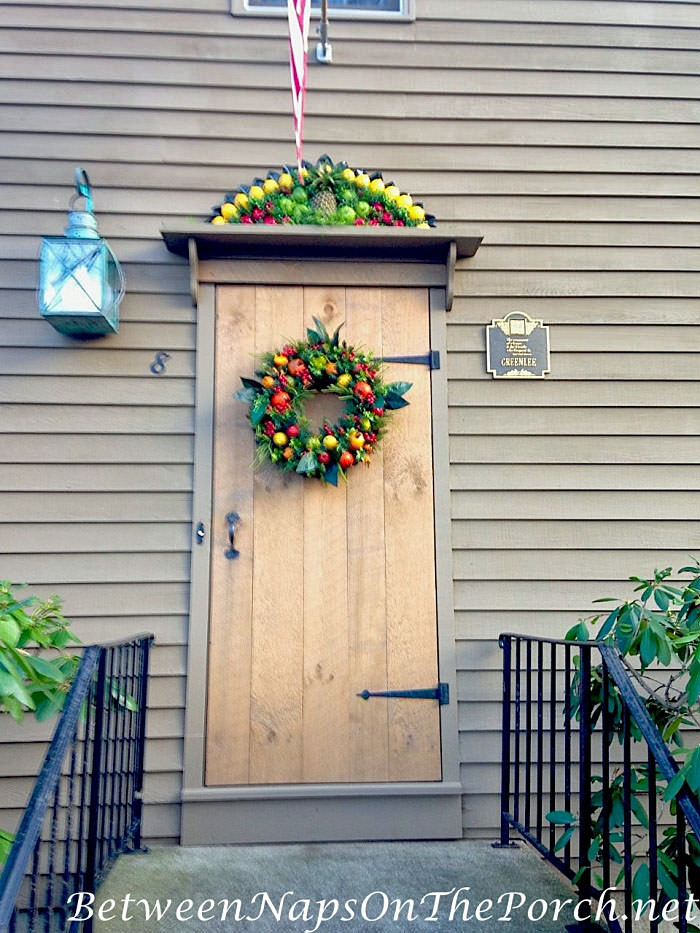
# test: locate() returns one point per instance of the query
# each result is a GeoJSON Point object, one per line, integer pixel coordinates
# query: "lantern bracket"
{"type": "Point", "coordinates": [83, 189]}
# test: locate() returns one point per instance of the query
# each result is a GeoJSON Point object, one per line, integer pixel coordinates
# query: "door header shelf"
{"type": "Point", "coordinates": [199, 241]}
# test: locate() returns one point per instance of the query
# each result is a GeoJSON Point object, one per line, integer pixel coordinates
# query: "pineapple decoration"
{"type": "Point", "coordinates": [323, 180]}
{"type": "Point", "coordinates": [328, 193]}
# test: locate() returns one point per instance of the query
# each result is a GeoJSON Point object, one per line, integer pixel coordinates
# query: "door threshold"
{"type": "Point", "coordinates": [298, 791]}
{"type": "Point", "coordinates": [321, 813]}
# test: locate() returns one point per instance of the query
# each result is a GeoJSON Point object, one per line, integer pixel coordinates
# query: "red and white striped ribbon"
{"type": "Point", "coordinates": [299, 13]}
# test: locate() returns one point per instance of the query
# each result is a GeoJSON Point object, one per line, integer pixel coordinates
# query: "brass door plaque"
{"type": "Point", "coordinates": [517, 347]}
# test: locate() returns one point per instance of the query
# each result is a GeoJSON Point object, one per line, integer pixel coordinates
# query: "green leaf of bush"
{"type": "Point", "coordinates": [564, 839]}
{"type": "Point", "coordinates": [561, 816]}
{"type": "Point", "coordinates": [675, 784]}
{"type": "Point", "coordinates": [9, 631]}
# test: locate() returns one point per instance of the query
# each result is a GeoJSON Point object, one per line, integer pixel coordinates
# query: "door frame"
{"type": "Point", "coordinates": [316, 812]}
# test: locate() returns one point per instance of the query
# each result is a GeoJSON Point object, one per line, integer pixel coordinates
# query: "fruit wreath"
{"type": "Point", "coordinates": [325, 193]}
{"type": "Point", "coordinates": [321, 363]}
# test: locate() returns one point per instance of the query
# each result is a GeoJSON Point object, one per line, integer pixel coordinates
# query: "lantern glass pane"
{"type": "Point", "coordinates": [72, 275]}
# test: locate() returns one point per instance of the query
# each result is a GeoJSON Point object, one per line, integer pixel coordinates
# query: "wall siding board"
{"type": "Point", "coordinates": [436, 80]}
{"type": "Point", "coordinates": [354, 103]}
{"type": "Point", "coordinates": [575, 148]}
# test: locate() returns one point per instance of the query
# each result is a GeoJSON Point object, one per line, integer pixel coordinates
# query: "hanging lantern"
{"type": "Point", "coordinates": [80, 280]}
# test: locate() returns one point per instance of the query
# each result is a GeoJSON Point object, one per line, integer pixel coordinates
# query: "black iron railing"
{"type": "Point", "coordinates": [583, 766]}
{"type": "Point", "coordinates": [86, 805]}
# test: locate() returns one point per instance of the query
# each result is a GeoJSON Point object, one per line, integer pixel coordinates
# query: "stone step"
{"type": "Point", "coordinates": [335, 888]}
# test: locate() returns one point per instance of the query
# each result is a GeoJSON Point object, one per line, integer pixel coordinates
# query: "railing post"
{"type": "Point", "coordinates": [505, 643]}
{"type": "Point", "coordinates": [141, 743]}
{"type": "Point", "coordinates": [584, 882]}
{"type": "Point", "coordinates": [91, 858]}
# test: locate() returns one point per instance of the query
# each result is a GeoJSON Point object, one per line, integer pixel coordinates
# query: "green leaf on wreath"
{"type": "Point", "coordinates": [320, 327]}
{"type": "Point", "coordinates": [394, 401]}
{"type": "Point", "coordinates": [257, 410]}
{"type": "Point", "coordinates": [308, 462]}
{"type": "Point", "coordinates": [332, 474]}
{"type": "Point", "coordinates": [399, 388]}
{"type": "Point", "coordinates": [251, 383]}
{"type": "Point", "coordinates": [335, 339]}
{"type": "Point", "coordinates": [249, 394]}
{"type": "Point", "coordinates": [312, 336]}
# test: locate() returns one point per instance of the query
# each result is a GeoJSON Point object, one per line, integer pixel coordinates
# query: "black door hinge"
{"type": "Point", "coordinates": [431, 359]}
{"type": "Point", "coordinates": [441, 693]}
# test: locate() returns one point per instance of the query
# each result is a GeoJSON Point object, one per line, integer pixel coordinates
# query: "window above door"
{"type": "Point", "coordinates": [352, 9]}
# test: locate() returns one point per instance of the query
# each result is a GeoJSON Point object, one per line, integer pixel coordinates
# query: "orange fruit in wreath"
{"type": "Point", "coordinates": [280, 401]}
{"type": "Point", "coordinates": [295, 366]}
{"type": "Point", "coordinates": [280, 360]}
{"type": "Point", "coordinates": [346, 460]}
{"type": "Point", "coordinates": [287, 453]}
{"type": "Point", "coordinates": [268, 382]}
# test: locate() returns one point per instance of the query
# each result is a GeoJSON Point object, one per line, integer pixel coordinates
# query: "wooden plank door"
{"type": "Point", "coordinates": [334, 589]}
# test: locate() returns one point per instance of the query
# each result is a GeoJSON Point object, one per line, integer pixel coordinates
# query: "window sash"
{"type": "Point", "coordinates": [338, 9]}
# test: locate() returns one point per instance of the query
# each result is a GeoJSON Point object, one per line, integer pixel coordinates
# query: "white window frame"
{"type": "Point", "coordinates": [406, 14]}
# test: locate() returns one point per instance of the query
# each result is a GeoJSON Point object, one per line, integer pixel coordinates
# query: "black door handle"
{"type": "Point", "coordinates": [233, 518]}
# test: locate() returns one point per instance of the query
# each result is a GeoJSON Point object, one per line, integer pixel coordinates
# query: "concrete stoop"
{"type": "Point", "coordinates": [386, 887]}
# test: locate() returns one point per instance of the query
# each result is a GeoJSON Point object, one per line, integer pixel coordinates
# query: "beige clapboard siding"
{"type": "Point", "coordinates": [158, 203]}
{"type": "Point", "coordinates": [474, 626]}
{"type": "Point", "coordinates": [432, 20]}
{"type": "Point", "coordinates": [656, 422]}
{"type": "Point", "coordinates": [606, 127]}
{"type": "Point", "coordinates": [119, 600]}
{"type": "Point", "coordinates": [32, 333]}
{"type": "Point", "coordinates": [436, 80]}
{"type": "Point", "coordinates": [536, 257]}
{"type": "Point", "coordinates": [532, 180]}
{"type": "Point", "coordinates": [599, 339]}
{"type": "Point", "coordinates": [213, 31]}
{"type": "Point", "coordinates": [575, 366]}
{"type": "Point", "coordinates": [136, 308]}
{"type": "Point", "coordinates": [94, 537]}
{"type": "Point", "coordinates": [499, 53]}
{"type": "Point", "coordinates": [657, 536]}
{"type": "Point", "coordinates": [574, 477]}
{"type": "Point", "coordinates": [62, 477]}
{"type": "Point", "coordinates": [545, 564]}
{"type": "Point", "coordinates": [575, 150]}
{"type": "Point", "coordinates": [571, 310]}
{"type": "Point", "coordinates": [354, 103]}
{"type": "Point", "coordinates": [160, 821]}
{"type": "Point", "coordinates": [612, 11]}
{"type": "Point", "coordinates": [250, 157]}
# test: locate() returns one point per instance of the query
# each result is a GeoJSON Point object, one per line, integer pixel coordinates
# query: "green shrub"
{"type": "Point", "coordinates": [31, 681]}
